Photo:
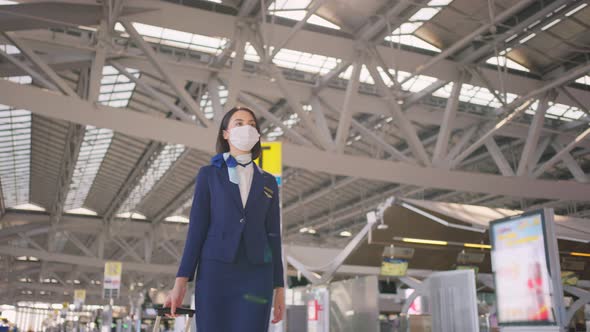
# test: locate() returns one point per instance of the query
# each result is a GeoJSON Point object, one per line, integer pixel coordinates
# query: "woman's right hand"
{"type": "Point", "coordinates": [176, 295]}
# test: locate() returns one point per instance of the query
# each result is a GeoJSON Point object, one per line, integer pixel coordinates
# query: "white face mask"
{"type": "Point", "coordinates": [244, 137]}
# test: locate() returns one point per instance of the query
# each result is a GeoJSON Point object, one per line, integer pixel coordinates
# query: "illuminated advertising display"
{"type": "Point", "coordinates": [521, 270]}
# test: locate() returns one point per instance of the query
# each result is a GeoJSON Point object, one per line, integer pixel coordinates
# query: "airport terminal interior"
{"type": "Point", "coordinates": [432, 159]}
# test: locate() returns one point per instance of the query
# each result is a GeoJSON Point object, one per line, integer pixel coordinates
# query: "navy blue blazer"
{"type": "Point", "coordinates": [218, 219]}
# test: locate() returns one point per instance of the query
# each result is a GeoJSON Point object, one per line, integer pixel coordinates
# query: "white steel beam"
{"type": "Point", "coordinates": [470, 37]}
{"type": "Point", "coordinates": [213, 90]}
{"type": "Point", "coordinates": [86, 261]}
{"type": "Point", "coordinates": [524, 166]}
{"type": "Point", "coordinates": [79, 244]}
{"type": "Point", "coordinates": [371, 135]}
{"type": "Point", "coordinates": [346, 114]}
{"type": "Point", "coordinates": [127, 248]}
{"type": "Point", "coordinates": [498, 156]}
{"type": "Point", "coordinates": [320, 117]}
{"type": "Point", "coordinates": [466, 137]}
{"type": "Point", "coordinates": [559, 155]}
{"type": "Point", "coordinates": [311, 9]}
{"type": "Point", "coordinates": [165, 101]}
{"type": "Point", "coordinates": [185, 98]}
{"type": "Point", "coordinates": [195, 20]}
{"type": "Point", "coordinates": [572, 74]}
{"type": "Point", "coordinates": [325, 79]}
{"type": "Point", "coordinates": [571, 164]}
{"type": "Point", "coordinates": [37, 61]}
{"type": "Point", "coordinates": [367, 104]}
{"type": "Point", "coordinates": [402, 121]}
{"type": "Point", "coordinates": [98, 61]}
{"type": "Point", "coordinates": [444, 133]}
{"type": "Point", "coordinates": [235, 83]}
{"type": "Point", "coordinates": [36, 76]}
{"type": "Point", "coordinates": [296, 105]}
{"type": "Point", "coordinates": [125, 121]}
{"type": "Point", "coordinates": [289, 132]}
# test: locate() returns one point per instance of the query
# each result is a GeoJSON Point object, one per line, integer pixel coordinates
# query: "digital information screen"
{"type": "Point", "coordinates": [521, 272]}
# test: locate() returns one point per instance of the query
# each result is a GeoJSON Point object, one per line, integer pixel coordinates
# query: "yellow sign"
{"type": "Point", "coordinates": [271, 159]}
{"type": "Point", "coordinates": [393, 267]}
{"type": "Point", "coordinates": [112, 269]}
{"type": "Point", "coordinates": [79, 295]}
{"type": "Point", "coordinates": [79, 298]}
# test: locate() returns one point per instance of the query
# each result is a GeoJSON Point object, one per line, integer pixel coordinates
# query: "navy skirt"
{"type": "Point", "coordinates": [233, 297]}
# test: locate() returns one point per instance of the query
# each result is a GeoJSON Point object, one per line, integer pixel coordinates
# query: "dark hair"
{"type": "Point", "coordinates": [223, 145]}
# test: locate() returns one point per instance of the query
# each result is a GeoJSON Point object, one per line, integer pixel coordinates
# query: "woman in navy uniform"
{"type": "Point", "coordinates": [234, 236]}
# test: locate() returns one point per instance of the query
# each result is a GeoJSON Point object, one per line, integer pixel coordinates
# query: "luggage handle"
{"type": "Point", "coordinates": [162, 311]}
{"type": "Point", "coordinates": [179, 311]}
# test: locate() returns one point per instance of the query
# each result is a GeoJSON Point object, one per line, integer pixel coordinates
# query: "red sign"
{"type": "Point", "coordinates": [313, 309]}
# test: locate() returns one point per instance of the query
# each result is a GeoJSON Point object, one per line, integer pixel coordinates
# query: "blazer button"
{"type": "Point", "coordinates": [242, 220]}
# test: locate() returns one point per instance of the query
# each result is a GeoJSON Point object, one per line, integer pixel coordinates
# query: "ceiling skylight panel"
{"type": "Point", "coordinates": [178, 39]}
{"type": "Point", "coordinates": [296, 10]}
{"type": "Point", "coordinates": [296, 15]}
{"type": "Point", "coordinates": [413, 41]}
{"type": "Point", "coordinates": [386, 79]}
{"type": "Point", "coordinates": [416, 83]}
{"type": "Point", "coordinates": [407, 28]}
{"type": "Point", "coordinates": [178, 219]}
{"type": "Point", "coordinates": [317, 20]}
{"type": "Point", "coordinates": [207, 105]}
{"type": "Point", "coordinates": [584, 80]}
{"type": "Point", "coordinates": [439, 3]}
{"type": "Point", "coordinates": [15, 155]}
{"type": "Point", "coordinates": [574, 113]}
{"type": "Point", "coordinates": [157, 169]}
{"type": "Point", "coordinates": [92, 151]}
{"type": "Point", "coordinates": [289, 4]}
{"type": "Point", "coordinates": [19, 79]}
{"type": "Point", "coordinates": [424, 14]}
{"type": "Point", "coordinates": [364, 76]}
{"type": "Point", "coordinates": [9, 49]}
{"type": "Point", "coordinates": [575, 10]}
{"type": "Point", "coordinates": [551, 24]}
{"type": "Point", "coordinates": [308, 62]}
{"type": "Point", "coordinates": [566, 112]}
{"type": "Point", "coordinates": [445, 91]}
{"type": "Point", "coordinates": [250, 53]}
{"type": "Point", "coordinates": [116, 89]}
{"type": "Point", "coordinates": [502, 61]}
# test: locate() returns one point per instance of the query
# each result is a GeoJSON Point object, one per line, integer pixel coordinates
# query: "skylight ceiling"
{"type": "Point", "coordinates": [178, 39]}
{"type": "Point", "coordinates": [312, 63]}
{"type": "Point", "coordinates": [475, 95]}
{"type": "Point", "coordinates": [92, 151]}
{"type": "Point", "coordinates": [157, 169]}
{"type": "Point", "coordinates": [503, 60]}
{"type": "Point", "coordinates": [405, 33]}
{"type": "Point", "coordinates": [207, 104]}
{"type": "Point", "coordinates": [559, 111]}
{"type": "Point", "coordinates": [115, 91]}
{"type": "Point", "coordinates": [15, 155]}
{"type": "Point", "coordinates": [296, 10]}
{"type": "Point", "coordinates": [482, 96]}
{"type": "Point", "coordinates": [584, 80]}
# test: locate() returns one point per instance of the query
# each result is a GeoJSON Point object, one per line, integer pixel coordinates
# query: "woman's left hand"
{"type": "Point", "coordinates": [279, 305]}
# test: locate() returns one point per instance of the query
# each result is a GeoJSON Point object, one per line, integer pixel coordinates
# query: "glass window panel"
{"type": "Point", "coordinates": [157, 169]}
{"type": "Point", "coordinates": [15, 155]}
{"type": "Point", "coordinates": [94, 145]}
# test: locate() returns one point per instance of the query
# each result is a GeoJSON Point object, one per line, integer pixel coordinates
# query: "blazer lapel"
{"type": "Point", "coordinates": [234, 189]}
{"type": "Point", "coordinates": [256, 187]}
